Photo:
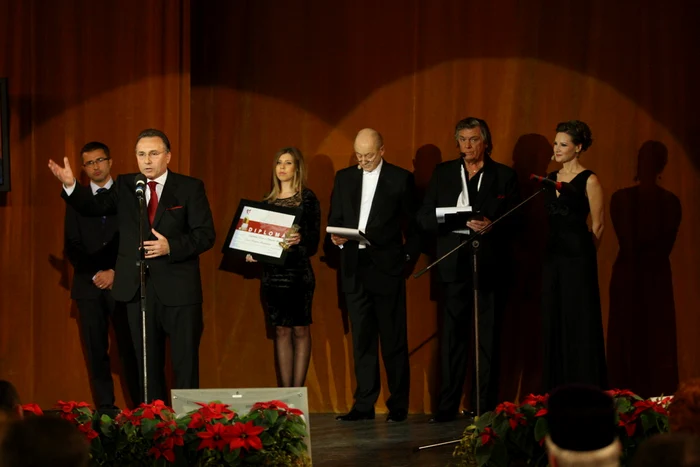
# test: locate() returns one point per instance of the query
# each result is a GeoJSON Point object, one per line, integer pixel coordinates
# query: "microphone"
{"type": "Point", "coordinates": [140, 180]}
{"type": "Point", "coordinates": [561, 187]}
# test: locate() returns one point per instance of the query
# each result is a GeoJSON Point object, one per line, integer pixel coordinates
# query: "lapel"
{"type": "Point", "coordinates": [380, 193]}
{"type": "Point", "coordinates": [355, 192]}
{"type": "Point", "coordinates": [167, 198]}
{"type": "Point", "coordinates": [488, 177]}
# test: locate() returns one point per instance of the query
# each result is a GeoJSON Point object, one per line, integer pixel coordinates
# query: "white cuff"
{"type": "Point", "coordinates": [69, 189]}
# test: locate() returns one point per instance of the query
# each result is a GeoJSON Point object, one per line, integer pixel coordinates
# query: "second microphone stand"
{"type": "Point", "coordinates": [474, 240]}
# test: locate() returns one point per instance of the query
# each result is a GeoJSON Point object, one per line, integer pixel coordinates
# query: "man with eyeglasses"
{"type": "Point", "coordinates": [378, 198]}
{"type": "Point", "coordinates": [179, 228]}
{"type": "Point", "coordinates": [91, 245]}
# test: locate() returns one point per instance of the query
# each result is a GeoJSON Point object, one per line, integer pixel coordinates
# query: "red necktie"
{"type": "Point", "coordinates": [153, 202]}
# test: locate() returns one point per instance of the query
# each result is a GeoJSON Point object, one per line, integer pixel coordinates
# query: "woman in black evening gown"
{"type": "Point", "coordinates": [574, 348]}
{"type": "Point", "coordinates": [288, 289]}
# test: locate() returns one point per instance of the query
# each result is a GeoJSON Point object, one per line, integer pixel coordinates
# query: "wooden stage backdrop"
{"type": "Point", "coordinates": [232, 81]}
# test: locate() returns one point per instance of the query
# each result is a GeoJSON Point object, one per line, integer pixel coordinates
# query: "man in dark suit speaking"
{"type": "Point", "coordinates": [378, 198]}
{"type": "Point", "coordinates": [178, 228]}
{"type": "Point", "coordinates": [490, 189]}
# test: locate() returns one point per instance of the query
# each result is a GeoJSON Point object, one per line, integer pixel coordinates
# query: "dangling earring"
{"type": "Point", "coordinates": [553, 157]}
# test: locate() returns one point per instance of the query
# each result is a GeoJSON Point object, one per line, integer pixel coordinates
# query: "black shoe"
{"type": "Point", "coordinates": [442, 417]}
{"type": "Point", "coordinates": [355, 415]}
{"type": "Point", "coordinates": [398, 415]}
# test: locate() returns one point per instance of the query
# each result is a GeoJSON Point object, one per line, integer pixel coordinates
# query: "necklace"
{"type": "Point", "coordinates": [472, 172]}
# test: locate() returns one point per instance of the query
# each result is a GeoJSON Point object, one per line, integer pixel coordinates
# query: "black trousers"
{"type": "Point", "coordinates": [377, 312]}
{"type": "Point", "coordinates": [183, 325]}
{"type": "Point", "coordinates": [457, 345]}
{"type": "Point", "coordinates": [94, 316]}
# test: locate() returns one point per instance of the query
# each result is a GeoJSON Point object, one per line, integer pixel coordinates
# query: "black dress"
{"type": "Point", "coordinates": [574, 349]}
{"type": "Point", "coordinates": [288, 290]}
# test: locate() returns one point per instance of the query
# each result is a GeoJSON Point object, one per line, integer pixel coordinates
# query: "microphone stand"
{"type": "Point", "coordinates": [142, 278]}
{"type": "Point", "coordinates": [475, 244]}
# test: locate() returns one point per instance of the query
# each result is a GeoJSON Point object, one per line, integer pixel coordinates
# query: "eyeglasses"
{"type": "Point", "coordinates": [149, 154]}
{"type": "Point", "coordinates": [99, 160]}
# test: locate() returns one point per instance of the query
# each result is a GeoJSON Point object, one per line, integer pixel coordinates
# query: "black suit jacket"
{"type": "Point", "coordinates": [91, 245]}
{"type": "Point", "coordinates": [498, 193]}
{"type": "Point", "coordinates": [183, 217]}
{"type": "Point", "coordinates": [391, 227]}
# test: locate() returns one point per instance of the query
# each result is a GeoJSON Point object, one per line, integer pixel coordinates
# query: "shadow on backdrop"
{"type": "Point", "coordinates": [328, 345]}
{"type": "Point", "coordinates": [642, 352]}
{"type": "Point", "coordinates": [427, 157]}
{"type": "Point", "coordinates": [521, 341]}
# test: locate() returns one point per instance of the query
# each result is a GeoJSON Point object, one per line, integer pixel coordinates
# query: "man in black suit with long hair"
{"type": "Point", "coordinates": [490, 189]}
{"type": "Point", "coordinates": [179, 227]}
{"type": "Point", "coordinates": [378, 198]}
{"type": "Point", "coordinates": [91, 245]}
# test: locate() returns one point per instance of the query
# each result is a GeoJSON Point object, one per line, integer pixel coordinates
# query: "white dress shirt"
{"type": "Point", "coordinates": [159, 187]}
{"type": "Point", "coordinates": [463, 198]}
{"type": "Point", "coordinates": [369, 187]}
{"type": "Point", "coordinates": [96, 187]}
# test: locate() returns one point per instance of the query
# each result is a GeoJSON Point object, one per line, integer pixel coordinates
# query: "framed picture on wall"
{"type": "Point", "coordinates": [4, 136]}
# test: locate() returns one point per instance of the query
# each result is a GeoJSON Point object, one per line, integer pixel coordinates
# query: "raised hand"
{"type": "Point", "coordinates": [64, 174]}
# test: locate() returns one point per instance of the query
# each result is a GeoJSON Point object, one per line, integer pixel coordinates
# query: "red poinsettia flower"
{"type": "Point", "coordinates": [154, 408]}
{"type": "Point", "coordinates": [641, 406]}
{"type": "Point", "coordinates": [197, 421]}
{"type": "Point", "coordinates": [214, 437]}
{"type": "Point", "coordinates": [32, 408]}
{"type": "Point", "coordinates": [245, 435]}
{"type": "Point", "coordinates": [629, 422]}
{"type": "Point", "coordinates": [166, 437]}
{"type": "Point", "coordinates": [69, 406]}
{"type": "Point", "coordinates": [541, 413]}
{"type": "Point", "coordinates": [508, 407]}
{"type": "Point", "coordinates": [276, 405]}
{"type": "Point", "coordinates": [515, 418]}
{"type": "Point", "coordinates": [620, 393]}
{"type": "Point", "coordinates": [129, 416]}
{"type": "Point", "coordinates": [535, 400]}
{"type": "Point", "coordinates": [86, 429]}
{"type": "Point", "coordinates": [488, 436]}
{"type": "Point", "coordinates": [215, 411]}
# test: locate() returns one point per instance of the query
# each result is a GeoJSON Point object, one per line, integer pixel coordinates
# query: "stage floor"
{"type": "Point", "coordinates": [377, 443]}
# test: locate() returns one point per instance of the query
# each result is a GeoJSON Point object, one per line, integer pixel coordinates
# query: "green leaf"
{"type": "Point", "coordinates": [483, 455]}
{"type": "Point", "coordinates": [298, 430]}
{"type": "Point", "coordinates": [648, 421]}
{"type": "Point", "coordinates": [541, 428]}
{"type": "Point", "coordinates": [485, 420]}
{"type": "Point", "coordinates": [294, 450]}
{"type": "Point", "coordinates": [623, 405]}
{"type": "Point", "coordinates": [148, 427]}
{"type": "Point", "coordinates": [501, 426]}
{"type": "Point", "coordinates": [271, 416]}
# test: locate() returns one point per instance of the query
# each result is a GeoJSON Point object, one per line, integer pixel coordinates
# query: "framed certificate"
{"type": "Point", "coordinates": [258, 228]}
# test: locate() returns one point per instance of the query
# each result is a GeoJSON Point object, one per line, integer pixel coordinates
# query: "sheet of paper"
{"type": "Point", "coordinates": [350, 234]}
{"type": "Point", "coordinates": [440, 212]}
{"type": "Point", "coordinates": [440, 215]}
